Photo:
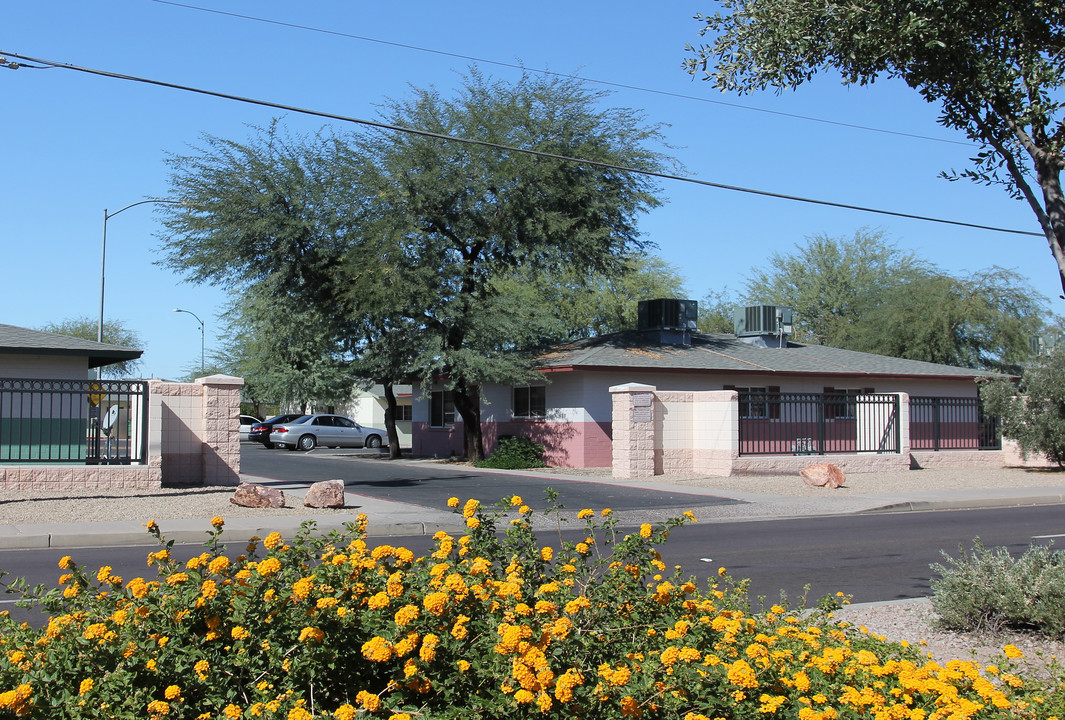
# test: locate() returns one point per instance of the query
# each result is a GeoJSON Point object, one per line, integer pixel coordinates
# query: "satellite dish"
{"type": "Point", "coordinates": [110, 418]}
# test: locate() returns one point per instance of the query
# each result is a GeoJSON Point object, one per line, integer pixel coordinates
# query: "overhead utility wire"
{"type": "Point", "coordinates": [516, 66]}
{"type": "Point", "coordinates": [508, 148]}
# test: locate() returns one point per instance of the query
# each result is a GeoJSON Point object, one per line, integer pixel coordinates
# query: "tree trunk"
{"type": "Point", "coordinates": [468, 404]}
{"type": "Point", "coordinates": [1049, 176]}
{"type": "Point", "coordinates": [394, 451]}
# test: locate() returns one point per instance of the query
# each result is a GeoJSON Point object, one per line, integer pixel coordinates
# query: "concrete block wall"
{"type": "Point", "coordinates": [697, 432]}
{"type": "Point", "coordinates": [193, 439]}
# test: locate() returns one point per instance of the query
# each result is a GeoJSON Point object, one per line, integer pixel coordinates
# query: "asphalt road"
{"type": "Point", "coordinates": [870, 556]}
{"type": "Point", "coordinates": [431, 484]}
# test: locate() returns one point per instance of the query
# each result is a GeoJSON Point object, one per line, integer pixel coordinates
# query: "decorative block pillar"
{"type": "Point", "coordinates": [221, 432]}
{"type": "Point", "coordinates": [633, 430]}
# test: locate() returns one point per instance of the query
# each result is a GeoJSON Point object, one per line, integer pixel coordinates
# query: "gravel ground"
{"type": "Point", "coordinates": [914, 622]}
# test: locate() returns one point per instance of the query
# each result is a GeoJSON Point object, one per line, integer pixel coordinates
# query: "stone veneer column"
{"type": "Point", "coordinates": [904, 424]}
{"type": "Point", "coordinates": [633, 430]}
{"type": "Point", "coordinates": [221, 431]}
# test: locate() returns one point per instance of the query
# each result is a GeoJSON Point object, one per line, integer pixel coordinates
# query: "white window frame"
{"type": "Point", "coordinates": [528, 391]}
{"type": "Point", "coordinates": [447, 400]}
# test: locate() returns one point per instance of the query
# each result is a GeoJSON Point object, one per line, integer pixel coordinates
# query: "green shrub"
{"type": "Point", "coordinates": [515, 453]}
{"type": "Point", "coordinates": [988, 589]}
{"type": "Point", "coordinates": [490, 625]}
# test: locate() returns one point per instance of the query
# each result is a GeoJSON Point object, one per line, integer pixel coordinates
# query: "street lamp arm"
{"type": "Point", "coordinates": [108, 216]}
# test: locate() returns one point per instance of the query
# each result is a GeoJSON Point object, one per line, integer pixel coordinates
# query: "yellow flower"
{"type": "Point", "coordinates": [232, 711]}
{"type": "Point", "coordinates": [268, 567]}
{"type": "Point", "coordinates": [158, 708]}
{"type": "Point", "coordinates": [607, 512]}
{"type": "Point", "coordinates": [299, 713]}
{"type": "Point", "coordinates": [435, 602]}
{"type": "Point", "coordinates": [1012, 652]}
{"type": "Point", "coordinates": [272, 540]}
{"type": "Point", "coordinates": [463, 665]}
{"type": "Point", "coordinates": [217, 521]}
{"type": "Point", "coordinates": [645, 530]}
{"type": "Point", "coordinates": [473, 523]}
{"type": "Point", "coordinates": [368, 700]}
{"type": "Point", "coordinates": [176, 578]}
{"type": "Point", "coordinates": [546, 553]}
{"type": "Point", "coordinates": [311, 634]}
{"type": "Point", "coordinates": [344, 712]}
{"type": "Point", "coordinates": [201, 667]}
{"type": "Point", "coordinates": [470, 508]}
{"type": "Point", "coordinates": [219, 565]}
{"type": "Point", "coordinates": [172, 692]}
{"type": "Point", "coordinates": [515, 500]}
{"type": "Point", "coordinates": [585, 513]}
{"type": "Point", "coordinates": [453, 502]}
{"type": "Point", "coordinates": [86, 686]}
{"type": "Point", "coordinates": [239, 633]}
{"type": "Point", "coordinates": [64, 562]}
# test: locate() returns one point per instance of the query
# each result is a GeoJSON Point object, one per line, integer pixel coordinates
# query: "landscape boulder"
{"type": "Point", "coordinates": [823, 475]}
{"type": "Point", "coordinates": [257, 496]}
{"type": "Point", "coordinates": [325, 494]}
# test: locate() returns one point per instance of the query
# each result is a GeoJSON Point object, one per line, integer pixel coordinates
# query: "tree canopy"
{"type": "Point", "coordinates": [396, 242]}
{"type": "Point", "coordinates": [115, 332]}
{"type": "Point", "coordinates": [864, 293]}
{"type": "Point", "coordinates": [1034, 413]}
{"type": "Point", "coordinates": [996, 68]}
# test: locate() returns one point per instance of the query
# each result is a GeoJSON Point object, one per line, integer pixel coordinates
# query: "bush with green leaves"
{"type": "Point", "coordinates": [494, 624]}
{"type": "Point", "coordinates": [1033, 414]}
{"type": "Point", "coordinates": [515, 453]}
{"type": "Point", "coordinates": [987, 589]}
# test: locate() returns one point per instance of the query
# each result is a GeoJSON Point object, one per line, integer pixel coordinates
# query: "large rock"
{"type": "Point", "coordinates": [257, 496]}
{"type": "Point", "coordinates": [823, 475]}
{"type": "Point", "coordinates": [325, 494]}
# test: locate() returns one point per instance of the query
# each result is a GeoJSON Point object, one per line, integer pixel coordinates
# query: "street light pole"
{"type": "Point", "coordinates": [103, 261]}
{"type": "Point", "coordinates": [201, 334]}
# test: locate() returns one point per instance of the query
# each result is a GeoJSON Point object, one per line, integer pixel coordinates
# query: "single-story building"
{"type": "Point", "coordinates": [774, 382]}
{"type": "Point", "coordinates": [26, 353]}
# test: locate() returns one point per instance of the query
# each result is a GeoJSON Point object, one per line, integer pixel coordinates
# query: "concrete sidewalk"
{"type": "Point", "coordinates": [387, 518]}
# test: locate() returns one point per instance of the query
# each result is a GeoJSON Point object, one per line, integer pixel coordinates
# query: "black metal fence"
{"type": "Point", "coordinates": [947, 423]}
{"type": "Point", "coordinates": [817, 423]}
{"type": "Point", "coordinates": [94, 422]}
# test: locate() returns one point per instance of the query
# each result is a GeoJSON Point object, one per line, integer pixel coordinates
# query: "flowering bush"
{"type": "Point", "coordinates": [492, 624]}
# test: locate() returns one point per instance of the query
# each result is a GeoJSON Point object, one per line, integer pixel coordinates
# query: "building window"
{"type": "Point", "coordinates": [403, 413]}
{"type": "Point", "coordinates": [441, 408]}
{"type": "Point", "coordinates": [842, 403]}
{"type": "Point", "coordinates": [530, 401]}
{"type": "Point", "coordinates": [753, 402]}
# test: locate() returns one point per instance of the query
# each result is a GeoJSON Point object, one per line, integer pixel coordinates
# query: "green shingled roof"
{"type": "Point", "coordinates": [23, 341]}
{"type": "Point", "coordinates": [728, 354]}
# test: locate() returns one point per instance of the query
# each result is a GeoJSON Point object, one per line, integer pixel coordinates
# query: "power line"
{"type": "Point", "coordinates": [517, 66]}
{"type": "Point", "coordinates": [508, 148]}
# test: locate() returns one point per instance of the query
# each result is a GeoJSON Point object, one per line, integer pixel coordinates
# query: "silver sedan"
{"type": "Point", "coordinates": [309, 431]}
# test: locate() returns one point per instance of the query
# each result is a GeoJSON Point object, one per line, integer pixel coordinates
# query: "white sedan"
{"type": "Point", "coordinates": [309, 431]}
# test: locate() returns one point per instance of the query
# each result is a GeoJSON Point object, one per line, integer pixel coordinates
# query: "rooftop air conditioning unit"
{"type": "Point", "coordinates": [668, 314]}
{"type": "Point", "coordinates": [762, 320]}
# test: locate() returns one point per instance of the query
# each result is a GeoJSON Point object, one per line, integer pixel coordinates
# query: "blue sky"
{"type": "Point", "coordinates": [74, 144]}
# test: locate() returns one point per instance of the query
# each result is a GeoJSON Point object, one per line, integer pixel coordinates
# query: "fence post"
{"type": "Point", "coordinates": [633, 430]}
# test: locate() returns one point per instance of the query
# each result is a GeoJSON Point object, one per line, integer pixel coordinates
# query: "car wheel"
{"type": "Point", "coordinates": [373, 442]}
{"type": "Point", "coordinates": [307, 442]}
